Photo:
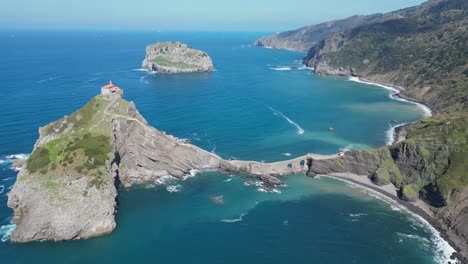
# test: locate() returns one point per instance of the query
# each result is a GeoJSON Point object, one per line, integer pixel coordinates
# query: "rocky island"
{"type": "Point", "coordinates": [176, 57]}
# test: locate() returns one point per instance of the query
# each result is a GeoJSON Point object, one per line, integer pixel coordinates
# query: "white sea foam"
{"type": "Point", "coordinates": [145, 70]}
{"type": "Point", "coordinates": [300, 131]}
{"type": "Point", "coordinates": [347, 148]}
{"type": "Point", "coordinates": [194, 172]}
{"type": "Point", "coordinates": [196, 137]}
{"type": "Point", "coordinates": [357, 215]}
{"type": "Point", "coordinates": [228, 180]}
{"type": "Point", "coordinates": [18, 156]}
{"type": "Point", "coordinates": [93, 79]}
{"type": "Point", "coordinates": [241, 217]}
{"type": "Point", "coordinates": [5, 231]}
{"type": "Point", "coordinates": [427, 111]}
{"type": "Point", "coordinates": [214, 149]}
{"type": "Point", "coordinates": [442, 248]}
{"type": "Point", "coordinates": [259, 183]}
{"type": "Point", "coordinates": [274, 190]}
{"type": "Point", "coordinates": [164, 180]}
{"type": "Point", "coordinates": [46, 80]}
{"type": "Point", "coordinates": [2, 188]}
{"type": "Point", "coordinates": [390, 134]}
{"type": "Point", "coordinates": [174, 188]}
{"type": "Point", "coordinates": [287, 154]}
{"type": "Point", "coordinates": [281, 68]}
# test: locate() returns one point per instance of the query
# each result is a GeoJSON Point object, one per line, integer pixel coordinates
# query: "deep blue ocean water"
{"type": "Point", "coordinates": [260, 104]}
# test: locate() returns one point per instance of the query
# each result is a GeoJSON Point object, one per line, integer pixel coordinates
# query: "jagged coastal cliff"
{"type": "Point", "coordinates": [176, 57]}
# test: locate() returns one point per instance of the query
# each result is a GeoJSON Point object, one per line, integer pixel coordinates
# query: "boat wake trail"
{"type": "Point", "coordinates": [300, 131]}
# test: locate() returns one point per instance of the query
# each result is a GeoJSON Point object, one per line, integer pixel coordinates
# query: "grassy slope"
{"type": "Point", "coordinates": [81, 147]}
{"type": "Point", "coordinates": [443, 142]}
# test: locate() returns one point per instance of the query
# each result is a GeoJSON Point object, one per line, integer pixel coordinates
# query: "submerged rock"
{"type": "Point", "coordinates": [176, 57]}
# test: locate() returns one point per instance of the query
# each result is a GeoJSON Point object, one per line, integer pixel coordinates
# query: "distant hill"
{"type": "Point", "coordinates": [425, 52]}
{"type": "Point", "coordinates": [304, 38]}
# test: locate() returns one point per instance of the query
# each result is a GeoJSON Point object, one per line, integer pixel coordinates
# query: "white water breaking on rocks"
{"type": "Point", "coordinates": [442, 248]}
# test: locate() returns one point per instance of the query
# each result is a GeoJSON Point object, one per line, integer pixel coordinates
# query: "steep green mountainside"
{"type": "Point", "coordinates": [426, 53]}
{"type": "Point", "coordinates": [432, 160]}
{"type": "Point", "coordinates": [304, 38]}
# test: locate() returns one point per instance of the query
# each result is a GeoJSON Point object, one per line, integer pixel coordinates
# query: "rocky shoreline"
{"type": "Point", "coordinates": [388, 193]}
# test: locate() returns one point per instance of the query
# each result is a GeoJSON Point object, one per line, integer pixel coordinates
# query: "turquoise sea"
{"type": "Point", "coordinates": [259, 104]}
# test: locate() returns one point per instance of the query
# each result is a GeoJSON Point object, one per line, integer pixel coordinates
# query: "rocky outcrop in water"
{"type": "Point", "coordinates": [176, 57]}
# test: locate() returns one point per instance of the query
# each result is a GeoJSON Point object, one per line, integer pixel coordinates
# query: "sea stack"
{"type": "Point", "coordinates": [176, 57]}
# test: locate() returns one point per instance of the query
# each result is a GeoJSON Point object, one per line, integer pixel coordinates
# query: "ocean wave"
{"type": "Point", "coordinates": [145, 70]}
{"type": "Point", "coordinates": [7, 160]}
{"type": "Point", "coordinates": [5, 231]}
{"type": "Point", "coordinates": [427, 111]}
{"type": "Point", "coordinates": [164, 180]}
{"type": "Point", "coordinates": [228, 180]}
{"type": "Point", "coordinates": [7, 179]}
{"type": "Point", "coordinates": [192, 173]}
{"type": "Point", "coordinates": [174, 188]}
{"type": "Point", "coordinates": [287, 154]}
{"type": "Point", "coordinates": [423, 240]}
{"type": "Point", "coordinates": [347, 148]}
{"type": "Point", "coordinates": [300, 131]}
{"type": "Point", "coordinates": [390, 134]}
{"type": "Point", "coordinates": [241, 217]}
{"type": "Point", "coordinates": [92, 79]}
{"type": "Point", "coordinates": [46, 80]}
{"type": "Point", "coordinates": [358, 215]}
{"type": "Point", "coordinates": [281, 68]}
{"type": "Point", "coordinates": [18, 156]}
{"type": "Point", "coordinates": [441, 247]}
{"type": "Point", "coordinates": [273, 190]}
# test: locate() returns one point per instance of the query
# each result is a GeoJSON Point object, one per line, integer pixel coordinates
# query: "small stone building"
{"type": "Point", "coordinates": [109, 88]}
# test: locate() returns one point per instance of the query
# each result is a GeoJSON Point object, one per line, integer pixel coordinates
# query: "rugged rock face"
{"type": "Point", "coordinates": [304, 38]}
{"type": "Point", "coordinates": [66, 188]}
{"type": "Point", "coordinates": [176, 57]}
{"type": "Point", "coordinates": [147, 154]}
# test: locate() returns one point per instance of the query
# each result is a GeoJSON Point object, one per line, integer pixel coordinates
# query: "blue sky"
{"type": "Point", "coordinates": [185, 14]}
